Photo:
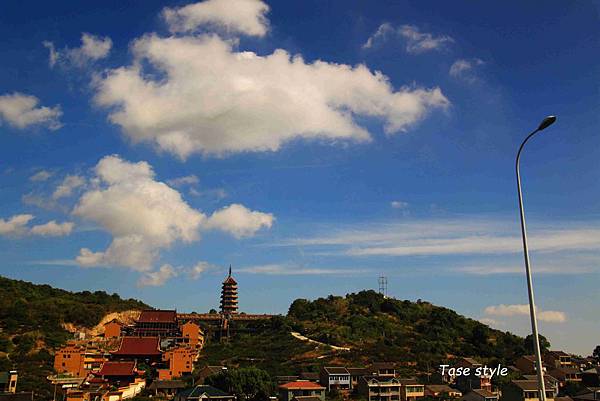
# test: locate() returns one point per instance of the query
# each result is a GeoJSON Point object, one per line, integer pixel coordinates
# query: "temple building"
{"type": "Point", "coordinates": [156, 323]}
{"type": "Point", "coordinates": [229, 296]}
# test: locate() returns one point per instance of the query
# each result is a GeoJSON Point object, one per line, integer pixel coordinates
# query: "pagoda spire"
{"type": "Point", "coordinates": [229, 271]}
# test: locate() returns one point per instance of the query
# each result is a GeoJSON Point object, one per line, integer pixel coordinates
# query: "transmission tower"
{"type": "Point", "coordinates": [383, 283]}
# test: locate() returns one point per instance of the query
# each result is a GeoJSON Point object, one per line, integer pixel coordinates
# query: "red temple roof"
{"type": "Point", "coordinates": [139, 346]}
{"type": "Point", "coordinates": [112, 368]}
{"type": "Point", "coordinates": [158, 316]}
{"type": "Point", "coordinates": [229, 280]}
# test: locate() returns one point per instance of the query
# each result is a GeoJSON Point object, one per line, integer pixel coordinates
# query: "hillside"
{"type": "Point", "coordinates": [373, 327]}
{"type": "Point", "coordinates": [33, 320]}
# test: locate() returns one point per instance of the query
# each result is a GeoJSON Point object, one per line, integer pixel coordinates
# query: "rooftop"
{"type": "Point", "coordinates": [113, 368]}
{"type": "Point", "coordinates": [139, 346]}
{"type": "Point", "coordinates": [302, 385]}
{"type": "Point", "coordinates": [158, 316]}
{"type": "Point", "coordinates": [307, 398]}
{"type": "Point", "coordinates": [336, 370]}
{"type": "Point", "coordinates": [166, 384]}
{"type": "Point", "coordinates": [198, 391]}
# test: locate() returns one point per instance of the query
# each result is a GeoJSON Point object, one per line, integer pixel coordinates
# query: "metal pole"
{"type": "Point", "coordinates": [532, 313]}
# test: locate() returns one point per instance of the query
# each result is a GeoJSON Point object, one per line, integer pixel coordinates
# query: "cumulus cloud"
{"type": "Point", "coordinates": [239, 221]}
{"type": "Point", "coordinates": [158, 277]}
{"type": "Point", "coordinates": [68, 185]}
{"type": "Point", "coordinates": [464, 69]}
{"type": "Point", "coordinates": [17, 225]}
{"type": "Point", "coordinates": [144, 216]}
{"type": "Point", "coordinates": [549, 316]}
{"type": "Point", "coordinates": [22, 111]}
{"type": "Point", "coordinates": [41, 175]}
{"type": "Point", "coordinates": [93, 48]}
{"type": "Point", "coordinates": [239, 16]}
{"type": "Point", "coordinates": [53, 229]}
{"type": "Point", "coordinates": [215, 100]}
{"type": "Point", "coordinates": [416, 41]}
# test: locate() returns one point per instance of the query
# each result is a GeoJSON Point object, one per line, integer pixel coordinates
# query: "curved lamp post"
{"type": "Point", "coordinates": [536, 341]}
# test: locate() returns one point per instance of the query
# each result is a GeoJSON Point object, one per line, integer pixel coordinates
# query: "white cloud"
{"type": "Point", "coordinates": [145, 216]}
{"type": "Point", "coordinates": [142, 214]}
{"type": "Point", "coordinates": [185, 180]}
{"type": "Point", "coordinates": [66, 188]}
{"type": "Point", "coordinates": [489, 322]}
{"type": "Point", "coordinates": [383, 31]}
{"type": "Point", "coordinates": [18, 226]}
{"type": "Point", "coordinates": [41, 175]}
{"type": "Point", "coordinates": [15, 225]}
{"type": "Point", "coordinates": [53, 229]}
{"type": "Point", "coordinates": [239, 221]}
{"type": "Point", "coordinates": [22, 111]}
{"type": "Point", "coordinates": [416, 41]}
{"type": "Point", "coordinates": [93, 48]}
{"type": "Point", "coordinates": [462, 236]}
{"type": "Point", "coordinates": [239, 16]}
{"type": "Point", "coordinates": [214, 100]}
{"type": "Point", "coordinates": [523, 310]}
{"type": "Point", "coordinates": [419, 42]}
{"type": "Point", "coordinates": [399, 204]}
{"type": "Point", "coordinates": [464, 69]}
{"type": "Point", "coordinates": [199, 268]}
{"type": "Point", "coordinates": [289, 270]}
{"type": "Point", "coordinates": [157, 278]}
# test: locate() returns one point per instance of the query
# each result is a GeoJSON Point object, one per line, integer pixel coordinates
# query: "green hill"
{"type": "Point", "coordinates": [373, 327]}
{"type": "Point", "coordinates": [31, 323]}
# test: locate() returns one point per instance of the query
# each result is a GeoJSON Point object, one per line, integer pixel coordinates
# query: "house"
{"type": "Point", "coordinates": [166, 388]}
{"type": "Point", "coordinates": [438, 390]}
{"type": "Point", "coordinates": [192, 334]}
{"type": "Point", "coordinates": [69, 359]}
{"type": "Point", "coordinates": [591, 377]}
{"type": "Point", "coordinates": [138, 348]}
{"type": "Point", "coordinates": [411, 390]}
{"type": "Point", "coordinates": [291, 390]}
{"type": "Point", "coordinates": [113, 329]}
{"type": "Point", "coordinates": [558, 359]}
{"type": "Point", "coordinates": [472, 381]}
{"type": "Point", "coordinates": [550, 382]}
{"type": "Point", "coordinates": [480, 395]}
{"type": "Point", "coordinates": [383, 369]}
{"type": "Point", "coordinates": [180, 362]}
{"type": "Point", "coordinates": [156, 323]}
{"type": "Point", "coordinates": [204, 393]}
{"type": "Point", "coordinates": [565, 375]}
{"type": "Point", "coordinates": [527, 364]}
{"type": "Point", "coordinates": [525, 390]}
{"type": "Point", "coordinates": [335, 377]}
{"type": "Point", "coordinates": [117, 371]}
{"type": "Point", "coordinates": [310, 376]}
{"type": "Point", "coordinates": [8, 381]}
{"type": "Point", "coordinates": [380, 388]}
{"type": "Point", "coordinates": [207, 371]}
{"type": "Point", "coordinates": [356, 374]}
{"type": "Point", "coordinates": [588, 394]}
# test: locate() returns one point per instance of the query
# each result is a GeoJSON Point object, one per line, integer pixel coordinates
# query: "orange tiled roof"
{"type": "Point", "coordinates": [301, 385]}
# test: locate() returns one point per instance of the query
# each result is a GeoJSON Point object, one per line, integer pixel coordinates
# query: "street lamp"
{"type": "Point", "coordinates": [546, 122]}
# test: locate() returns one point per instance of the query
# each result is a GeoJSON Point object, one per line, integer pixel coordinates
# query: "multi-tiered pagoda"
{"type": "Point", "coordinates": [229, 296]}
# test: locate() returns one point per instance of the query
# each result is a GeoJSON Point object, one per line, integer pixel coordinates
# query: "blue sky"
{"type": "Point", "coordinates": [314, 146]}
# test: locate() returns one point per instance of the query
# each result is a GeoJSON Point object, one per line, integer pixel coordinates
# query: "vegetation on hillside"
{"type": "Point", "coordinates": [374, 327]}
{"type": "Point", "coordinates": [31, 325]}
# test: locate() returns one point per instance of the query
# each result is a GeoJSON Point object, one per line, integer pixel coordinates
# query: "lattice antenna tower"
{"type": "Point", "coordinates": [383, 285]}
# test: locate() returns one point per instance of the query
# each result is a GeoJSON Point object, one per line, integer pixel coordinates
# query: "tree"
{"type": "Point", "coordinates": [544, 343]}
{"type": "Point", "coordinates": [596, 353]}
{"type": "Point", "coordinates": [247, 384]}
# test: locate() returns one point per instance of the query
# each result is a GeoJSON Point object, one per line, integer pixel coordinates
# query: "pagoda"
{"type": "Point", "coordinates": [229, 296]}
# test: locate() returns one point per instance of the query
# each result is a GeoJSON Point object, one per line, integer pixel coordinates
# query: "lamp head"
{"type": "Point", "coordinates": [546, 122]}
